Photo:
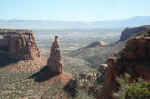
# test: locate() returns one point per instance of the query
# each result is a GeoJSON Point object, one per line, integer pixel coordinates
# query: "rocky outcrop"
{"type": "Point", "coordinates": [55, 62]}
{"type": "Point", "coordinates": [133, 59]}
{"type": "Point", "coordinates": [53, 70]}
{"type": "Point", "coordinates": [26, 47]}
{"type": "Point", "coordinates": [19, 43]}
{"type": "Point", "coordinates": [110, 83]}
{"type": "Point", "coordinates": [102, 69]}
{"type": "Point", "coordinates": [129, 32]}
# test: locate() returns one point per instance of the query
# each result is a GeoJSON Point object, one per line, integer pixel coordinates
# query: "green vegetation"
{"type": "Point", "coordinates": [140, 90]}
{"type": "Point", "coordinates": [17, 85]}
{"type": "Point", "coordinates": [97, 55]}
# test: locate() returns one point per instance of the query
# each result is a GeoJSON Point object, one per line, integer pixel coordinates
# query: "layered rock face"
{"type": "Point", "coordinates": [26, 47]}
{"type": "Point", "coordinates": [20, 43]}
{"type": "Point", "coordinates": [133, 59]}
{"type": "Point", "coordinates": [137, 49]}
{"type": "Point", "coordinates": [136, 55]}
{"type": "Point", "coordinates": [55, 62]}
{"type": "Point", "coordinates": [128, 32]}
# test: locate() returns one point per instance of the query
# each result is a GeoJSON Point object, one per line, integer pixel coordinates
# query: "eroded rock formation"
{"type": "Point", "coordinates": [110, 83]}
{"type": "Point", "coordinates": [97, 43]}
{"type": "Point", "coordinates": [133, 59]}
{"type": "Point", "coordinates": [26, 47]}
{"type": "Point", "coordinates": [55, 62]}
{"type": "Point", "coordinates": [20, 43]}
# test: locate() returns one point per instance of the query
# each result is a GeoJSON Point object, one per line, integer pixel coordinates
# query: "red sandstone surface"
{"type": "Point", "coordinates": [20, 43]}
{"type": "Point", "coordinates": [63, 78]}
{"type": "Point", "coordinates": [55, 62]}
{"type": "Point", "coordinates": [27, 66]}
{"type": "Point", "coordinates": [133, 59]}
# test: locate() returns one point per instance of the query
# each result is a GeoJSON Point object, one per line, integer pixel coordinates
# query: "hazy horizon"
{"type": "Point", "coordinates": [73, 20]}
{"type": "Point", "coordinates": [73, 10]}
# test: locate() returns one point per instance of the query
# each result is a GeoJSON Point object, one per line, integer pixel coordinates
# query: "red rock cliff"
{"type": "Point", "coordinates": [27, 47]}
{"type": "Point", "coordinates": [133, 59]}
{"type": "Point", "coordinates": [20, 43]}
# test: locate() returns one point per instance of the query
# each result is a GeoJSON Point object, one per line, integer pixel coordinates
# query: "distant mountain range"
{"type": "Point", "coordinates": [46, 24]}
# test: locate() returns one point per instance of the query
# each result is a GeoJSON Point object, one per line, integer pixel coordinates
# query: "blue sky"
{"type": "Point", "coordinates": [73, 10]}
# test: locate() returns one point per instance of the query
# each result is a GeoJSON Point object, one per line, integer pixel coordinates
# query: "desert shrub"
{"type": "Point", "coordinates": [83, 95]}
{"type": "Point", "coordinates": [139, 90]}
{"type": "Point", "coordinates": [72, 87]}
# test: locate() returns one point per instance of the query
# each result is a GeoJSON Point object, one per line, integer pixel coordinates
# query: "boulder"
{"type": "Point", "coordinates": [102, 68]}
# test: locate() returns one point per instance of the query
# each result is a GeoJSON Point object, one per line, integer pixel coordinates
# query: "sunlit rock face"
{"type": "Point", "coordinates": [133, 59]}
{"type": "Point", "coordinates": [20, 43]}
{"type": "Point", "coordinates": [27, 47]}
{"type": "Point", "coordinates": [55, 61]}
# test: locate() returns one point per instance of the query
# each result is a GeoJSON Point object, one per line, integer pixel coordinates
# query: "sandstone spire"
{"type": "Point", "coordinates": [55, 62]}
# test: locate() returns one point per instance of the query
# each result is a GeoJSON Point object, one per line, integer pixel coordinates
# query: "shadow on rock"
{"type": "Point", "coordinates": [43, 75]}
{"type": "Point", "coordinates": [6, 59]}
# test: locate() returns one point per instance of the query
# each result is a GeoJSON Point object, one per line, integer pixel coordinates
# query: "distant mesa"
{"type": "Point", "coordinates": [97, 43]}
{"type": "Point", "coordinates": [73, 25]}
{"type": "Point", "coordinates": [19, 43]}
{"type": "Point", "coordinates": [129, 32]}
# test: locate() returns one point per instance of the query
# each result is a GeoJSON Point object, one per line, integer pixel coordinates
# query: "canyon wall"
{"type": "Point", "coordinates": [133, 60]}
{"type": "Point", "coordinates": [20, 43]}
{"type": "Point", "coordinates": [129, 32]}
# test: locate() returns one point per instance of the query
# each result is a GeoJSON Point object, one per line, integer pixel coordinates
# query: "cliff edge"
{"type": "Point", "coordinates": [129, 32]}
{"type": "Point", "coordinates": [133, 59]}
